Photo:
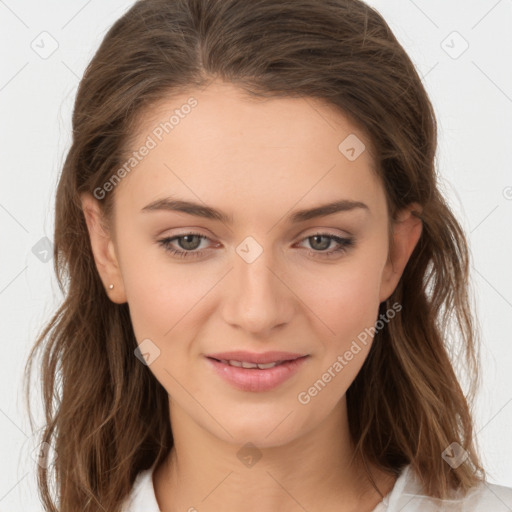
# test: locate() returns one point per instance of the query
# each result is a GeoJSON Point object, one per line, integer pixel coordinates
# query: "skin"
{"type": "Point", "coordinates": [258, 161]}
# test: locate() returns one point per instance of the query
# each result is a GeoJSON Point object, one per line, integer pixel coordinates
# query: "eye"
{"type": "Point", "coordinates": [316, 242]}
{"type": "Point", "coordinates": [190, 242]}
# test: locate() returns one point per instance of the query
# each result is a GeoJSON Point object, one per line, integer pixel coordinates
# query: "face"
{"type": "Point", "coordinates": [251, 271]}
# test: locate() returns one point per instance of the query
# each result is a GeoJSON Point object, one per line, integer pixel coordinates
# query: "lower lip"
{"type": "Point", "coordinates": [255, 379]}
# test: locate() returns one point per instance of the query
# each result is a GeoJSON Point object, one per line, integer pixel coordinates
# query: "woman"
{"type": "Point", "coordinates": [260, 273]}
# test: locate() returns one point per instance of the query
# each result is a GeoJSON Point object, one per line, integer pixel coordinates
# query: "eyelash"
{"type": "Point", "coordinates": [344, 245]}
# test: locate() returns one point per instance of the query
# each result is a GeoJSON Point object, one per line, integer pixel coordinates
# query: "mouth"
{"type": "Point", "coordinates": [243, 356]}
{"type": "Point", "coordinates": [258, 373]}
{"type": "Point", "coordinates": [248, 365]}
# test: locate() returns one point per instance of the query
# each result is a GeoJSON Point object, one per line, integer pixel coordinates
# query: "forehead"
{"type": "Point", "coordinates": [219, 144]}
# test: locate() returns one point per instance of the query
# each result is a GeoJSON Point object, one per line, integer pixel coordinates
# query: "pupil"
{"type": "Point", "coordinates": [316, 237]}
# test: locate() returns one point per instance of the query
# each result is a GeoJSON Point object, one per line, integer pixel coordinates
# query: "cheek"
{"type": "Point", "coordinates": [167, 300]}
{"type": "Point", "coordinates": [159, 293]}
{"type": "Point", "coordinates": [347, 304]}
{"type": "Point", "coordinates": [161, 307]}
{"type": "Point", "coordinates": [345, 300]}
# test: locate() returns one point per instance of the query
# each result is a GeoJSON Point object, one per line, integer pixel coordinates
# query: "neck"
{"type": "Point", "coordinates": [317, 471]}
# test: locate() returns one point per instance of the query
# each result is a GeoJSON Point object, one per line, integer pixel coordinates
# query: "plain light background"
{"type": "Point", "coordinates": [463, 51]}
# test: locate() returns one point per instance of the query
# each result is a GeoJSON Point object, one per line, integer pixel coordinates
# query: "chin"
{"type": "Point", "coordinates": [262, 427]}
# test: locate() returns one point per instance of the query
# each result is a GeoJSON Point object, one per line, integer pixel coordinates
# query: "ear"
{"type": "Point", "coordinates": [407, 230]}
{"type": "Point", "coordinates": [103, 249]}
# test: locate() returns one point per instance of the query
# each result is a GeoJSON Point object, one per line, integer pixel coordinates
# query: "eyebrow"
{"type": "Point", "coordinates": [199, 210]}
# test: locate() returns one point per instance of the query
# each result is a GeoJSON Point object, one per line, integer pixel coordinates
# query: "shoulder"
{"type": "Point", "coordinates": [142, 495]}
{"type": "Point", "coordinates": [407, 496]}
{"type": "Point", "coordinates": [490, 497]}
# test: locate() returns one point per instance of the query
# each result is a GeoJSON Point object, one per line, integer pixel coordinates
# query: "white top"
{"type": "Point", "coordinates": [406, 496]}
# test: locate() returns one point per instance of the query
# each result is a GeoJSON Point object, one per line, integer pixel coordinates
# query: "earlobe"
{"type": "Point", "coordinates": [407, 229]}
{"type": "Point", "coordinates": [103, 249]}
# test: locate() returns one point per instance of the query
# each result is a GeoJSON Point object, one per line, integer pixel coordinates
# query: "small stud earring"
{"type": "Point", "coordinates": [111, 286]}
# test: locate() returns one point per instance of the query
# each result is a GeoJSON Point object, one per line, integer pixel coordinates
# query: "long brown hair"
{"type": "Point", "coordinates": [107, 417]}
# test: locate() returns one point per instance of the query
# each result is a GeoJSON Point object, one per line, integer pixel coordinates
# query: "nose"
{"type": "Point", "coordinates": [258, 300]}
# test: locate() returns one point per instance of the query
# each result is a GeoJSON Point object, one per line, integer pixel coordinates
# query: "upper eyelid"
{"type": "Point", "coordinates": [308, 232]}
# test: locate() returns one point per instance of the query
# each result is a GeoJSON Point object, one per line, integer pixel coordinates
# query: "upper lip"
{"type": "Point", "coordinates": [254, 357]}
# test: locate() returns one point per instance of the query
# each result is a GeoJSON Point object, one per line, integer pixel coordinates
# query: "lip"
{"type": "Point", "coordinates": [256, 379]}
{"type": "Point", "coordinates": [254, 357]}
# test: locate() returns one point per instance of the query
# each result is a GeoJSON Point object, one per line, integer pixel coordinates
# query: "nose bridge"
{"type": "Point", "coordinates": [258, 299]}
